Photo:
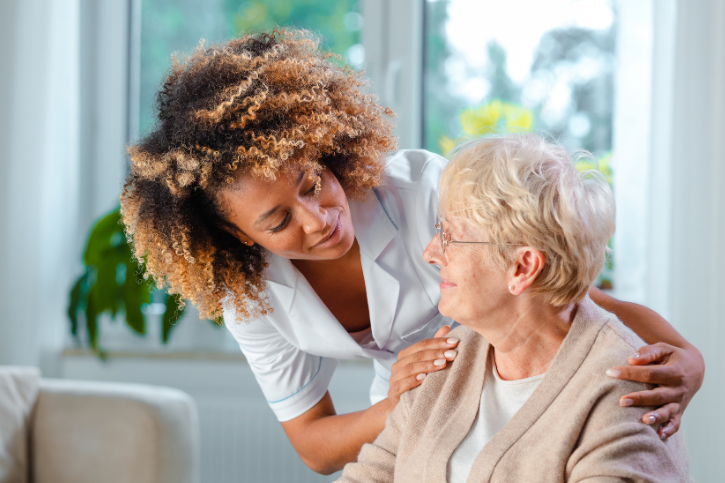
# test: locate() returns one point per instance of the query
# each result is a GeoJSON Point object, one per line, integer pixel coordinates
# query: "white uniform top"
{"type": "Point", "coordinates": [500, 400]}
{"type": "Point", "coordinates": [294, 350]}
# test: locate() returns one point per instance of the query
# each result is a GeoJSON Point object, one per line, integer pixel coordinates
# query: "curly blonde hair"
{"type": "Point", "coordinates": [522, 189]}
{"type": "Point", "coordinates": [255, 105]}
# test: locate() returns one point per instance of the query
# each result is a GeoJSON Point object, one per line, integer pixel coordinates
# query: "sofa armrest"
{"type": "Point", "coordinates": [115, 433]}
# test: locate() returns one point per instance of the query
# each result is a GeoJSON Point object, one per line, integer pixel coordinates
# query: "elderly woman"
{"type": "Point", "coordinates": [522, 237]}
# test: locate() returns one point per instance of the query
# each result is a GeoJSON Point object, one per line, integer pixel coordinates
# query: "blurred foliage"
{"type": "Point", "coordinates": [488, 118]}
{"type": "Point", "coordinates": [572, 60]}
{"type": "Point", "coordinates": [441, 105]}
{"type": "Point", "coordinates": [337, 22]}
{"type": "Point", "coordinates": [171, 26]}
{"type": "Point", "coordinates": [602, 164]}
{"type": "Point", "coordinates": [113, 284]}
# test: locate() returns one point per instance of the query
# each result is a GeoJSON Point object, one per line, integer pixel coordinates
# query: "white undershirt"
{"type": "Point", "coordinates": [500, 400]}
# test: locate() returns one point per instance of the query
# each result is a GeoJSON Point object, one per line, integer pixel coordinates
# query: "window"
{"type": "Point", "coordinates": [546, 65]}
{"type": "Point", "coordinates": [170, 26]}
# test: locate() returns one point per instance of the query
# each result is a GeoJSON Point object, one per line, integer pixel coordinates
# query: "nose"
{"type": "Point", "coordinates": [314, 218]}
{"type": "Point", "coordinates": [433, 253]}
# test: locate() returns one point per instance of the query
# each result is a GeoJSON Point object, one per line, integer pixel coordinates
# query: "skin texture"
{"type": "Point", "coordinates": [327, 441]}
{"type": "Point", "coordinates": [524, 330]}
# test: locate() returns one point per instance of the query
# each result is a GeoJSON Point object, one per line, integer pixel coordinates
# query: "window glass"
{"type": "Point", "coordinates": [543, 65]}
{"type": "Point", "coordinates": [169, 26]}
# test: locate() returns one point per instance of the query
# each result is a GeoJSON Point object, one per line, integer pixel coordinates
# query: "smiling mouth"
{"type": "Point", "coordinates": [329, 235]}
{"type": "Point", "coordinates": [447, 283]}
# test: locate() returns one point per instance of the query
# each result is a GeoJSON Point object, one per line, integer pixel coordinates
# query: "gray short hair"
{"type": "Point", "coordinates": [520, 188]}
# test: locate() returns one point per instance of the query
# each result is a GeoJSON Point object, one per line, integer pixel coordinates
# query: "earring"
{"type": "Point", "coordinates": [318, 185]}
{"type": "Point", "coordinates": [249, 243]}
{"type": "Point", "coordinates": [511, 288]}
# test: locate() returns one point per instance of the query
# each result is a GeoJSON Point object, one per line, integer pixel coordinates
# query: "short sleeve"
{"type": "Point", "coordinates": [292, 380]}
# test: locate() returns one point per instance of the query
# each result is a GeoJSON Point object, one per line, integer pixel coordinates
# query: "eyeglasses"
{"type": "Point", "coordinates": [445, 239]}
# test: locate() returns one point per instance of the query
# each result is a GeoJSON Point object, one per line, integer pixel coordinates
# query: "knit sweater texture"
{"type": "Point", "coordinates": [571, 429]}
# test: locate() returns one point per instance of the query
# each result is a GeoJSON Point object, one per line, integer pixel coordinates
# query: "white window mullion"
{"type": "Point", "coordinates": [393, 39]}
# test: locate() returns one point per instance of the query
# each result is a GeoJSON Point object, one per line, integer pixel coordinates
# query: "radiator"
{"type": "Point", "coordinates": [240, 439]}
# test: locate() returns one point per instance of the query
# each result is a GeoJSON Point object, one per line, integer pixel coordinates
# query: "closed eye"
{"type": "Point", "coordinates": [283, 224]}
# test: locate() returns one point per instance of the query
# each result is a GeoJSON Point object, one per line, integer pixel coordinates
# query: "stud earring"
{"type": "Point", "coordinates": [511, 288]}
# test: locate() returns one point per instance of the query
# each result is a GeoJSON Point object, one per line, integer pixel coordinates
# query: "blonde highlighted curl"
{"type": "Point", "coordinates": [523, 190]}
{"type": "Point", "coordinates": [252, 105]}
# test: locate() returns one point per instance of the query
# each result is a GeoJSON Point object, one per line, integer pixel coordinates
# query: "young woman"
{"type": "Point", "coordinates": [269, 193]}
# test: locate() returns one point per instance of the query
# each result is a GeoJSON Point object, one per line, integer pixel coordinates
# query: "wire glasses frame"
{"type": "Point", "coordinates": [445, 239]}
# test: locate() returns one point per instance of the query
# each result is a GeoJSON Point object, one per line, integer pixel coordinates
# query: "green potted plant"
{"type": "Point", "coordinates": [113, 284]}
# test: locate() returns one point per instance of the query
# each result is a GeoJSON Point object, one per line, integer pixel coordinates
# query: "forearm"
{"type": "Point", "coordinates": [327, 441]}
{"type": "Point", "coordinates": [647, 323]}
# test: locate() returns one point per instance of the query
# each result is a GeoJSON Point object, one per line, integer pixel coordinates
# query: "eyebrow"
{"type": "Point", "coordinates": [271, 212]}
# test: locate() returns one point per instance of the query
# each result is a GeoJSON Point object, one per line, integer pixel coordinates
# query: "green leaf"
{"type": "Point", "coordinates": [101, 236]}
{"type": "Point", "coordinates": [105, 287]}
{"type": "Point", "coordinates": [173, 313]}
{"type": "Point", "coordinates": [134, 298]}
{"type": "Point", "coordinates": [92, 322]}
{"type": "Point", "coordinates": [74, 302]}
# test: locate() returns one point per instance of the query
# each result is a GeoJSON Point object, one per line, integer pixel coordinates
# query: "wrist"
{"type": "Point", "coordinates": [383, 408]}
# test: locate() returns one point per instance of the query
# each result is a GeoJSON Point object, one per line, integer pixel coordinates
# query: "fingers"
{"type": "Point", "coordinates": [658, 396]}
{"type": "Point", "coordinates": [651, 353]}
{"type": "Point", "coordinates": [443, 331]}
{"type": "Point", "coordinates": [422, 361]}
{"type": "Point", "coordinates": [443, 343]}
{"type": "Point", "coordinates": [672, 426]}
{"type": "Point", "coordinates": [651, 374]}
{"type": "Point", "coordinates": [403, 385]}
{"type": "Point", "coordinates": [430, 356]}
{"type": "Point", "coordinates": [661, 415]}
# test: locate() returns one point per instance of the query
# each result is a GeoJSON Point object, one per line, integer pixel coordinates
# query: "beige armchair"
{"type": "Point", "coordinates": [63, 431]}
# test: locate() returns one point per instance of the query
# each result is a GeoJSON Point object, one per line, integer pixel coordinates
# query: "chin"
{"type": "Point", "coordinates": [346, 243]}
{"type": "Point", "coordinates": [445, 309]}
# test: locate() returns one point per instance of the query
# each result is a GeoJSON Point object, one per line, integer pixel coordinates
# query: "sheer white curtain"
{"type": "Point", "coordinates": [39, 178]}
{"type": "Point", "coordinates": [669, 143]}
{"type": "Point", "coordinates": [63, 128]}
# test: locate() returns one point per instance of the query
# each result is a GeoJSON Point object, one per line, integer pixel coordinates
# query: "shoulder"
{"type": "Point", "coordinates": [414, 168]}
{"type": "Point", "coordinates": [612, 346]}
{"type": "Point", "coordinates": [472, 351]}
{"type": "Point", "coordinates": [614, 343]}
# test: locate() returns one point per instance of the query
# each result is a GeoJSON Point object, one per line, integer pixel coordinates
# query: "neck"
{"type": "Point", "coordinates": [526, 338]}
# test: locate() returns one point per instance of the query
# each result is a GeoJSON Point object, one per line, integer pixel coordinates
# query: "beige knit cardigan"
{"type": "Point", "coordinates": [571, 429]}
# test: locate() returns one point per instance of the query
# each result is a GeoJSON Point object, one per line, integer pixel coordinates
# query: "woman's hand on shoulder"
{"type": "Point", "coordinates": [421, 358]}
{"type": "Point", "coordinates": [678, 373]}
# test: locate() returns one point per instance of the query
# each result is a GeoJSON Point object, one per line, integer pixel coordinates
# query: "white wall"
{"type": "Point", "coordinates": [697, 224]}
{"type": "Point", "coordinates": [62, 130]}
{"type": "Point", "coordinates": [669, 246]}
{"type": "Point", "coordinates": [39, 173]}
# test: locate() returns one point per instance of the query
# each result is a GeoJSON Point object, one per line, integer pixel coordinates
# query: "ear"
{"type": "Point", "coordinates": [242, 237]}
{"type": "Point", "coordinates": [527, 266]}
{"type": "Point", "coordinates": [236, 233]}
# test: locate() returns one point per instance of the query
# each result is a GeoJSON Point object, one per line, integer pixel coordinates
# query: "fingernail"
{"type": "Point", "coordinates": [613, 373]}
{"type": "Point", "coordinates": [651, 419]}
{"type": "Point", "coordinates": [452, 341]}
{"type": "Point", "coordinates": [439, 362]}
{"type": "Point", "coordinates": [420, 376]}
{"type": "Point", "coordinates": [635, 355]}
{"type": "Point", "coordinates": [450, 354]}
{"type": "Point", "coordinates": [625, 402]}
{"type": "Point", "coordinates": [663, 435]}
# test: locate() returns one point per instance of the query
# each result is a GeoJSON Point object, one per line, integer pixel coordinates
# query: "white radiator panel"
{"type": "Point", "coordinates": [241, 440]}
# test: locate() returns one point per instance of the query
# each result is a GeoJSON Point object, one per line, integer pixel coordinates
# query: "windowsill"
{"type": "Point", "coordinates": [170, 355]}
